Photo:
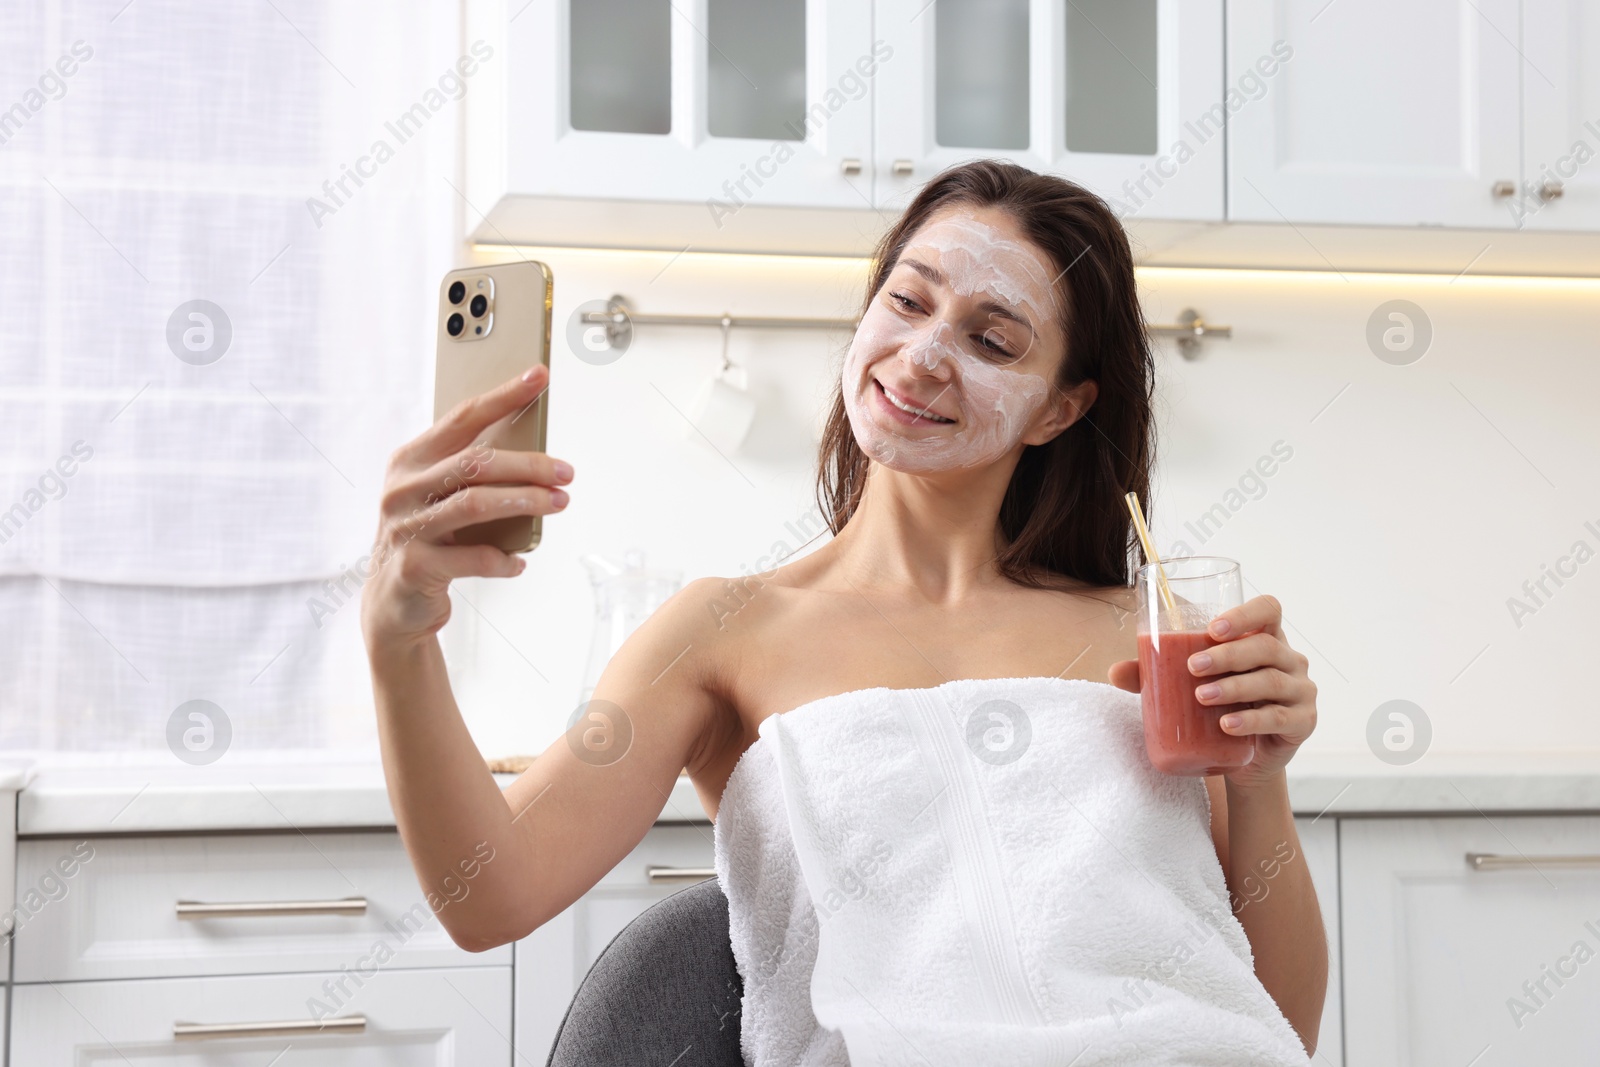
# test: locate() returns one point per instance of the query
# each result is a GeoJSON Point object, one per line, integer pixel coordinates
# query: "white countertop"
{"type": "Point", "coordinates": [82, 795]}
{"type": "Point", "coordinates": [1465, 783]}
{"type": "Point", "coordinates": [14, 776]}
{"type": "Point", "coordinates": [83, 798]}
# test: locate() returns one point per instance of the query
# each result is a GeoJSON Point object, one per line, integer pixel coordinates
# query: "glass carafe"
{"type": "Point", "coordinates": [624, 596]}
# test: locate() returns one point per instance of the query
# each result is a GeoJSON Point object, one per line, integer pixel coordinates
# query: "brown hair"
{"type": "Point", "coordinates": [1063, 513]}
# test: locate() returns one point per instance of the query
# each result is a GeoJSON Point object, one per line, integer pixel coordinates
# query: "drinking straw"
{"type": "Point", "coordinates": [1153, 556]}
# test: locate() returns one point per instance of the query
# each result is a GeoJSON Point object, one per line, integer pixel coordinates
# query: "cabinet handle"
{"type": "Point", "coordinates": [1551, 190]}
{"type": "Point", "coordinates": [1490, 861]}
{"type": "Point", "coordinates": [850, 167]}
{"type": "Point", "coordinates": [1501, 190]}
{"type": "Point", "coordinates": [679, 874]}
{"type": "Point", "coordinates": [250, 909]}
{"type": "Point", "coordinates": [344, 1024]}
{"type": "Point", "coordinates": [902, 168]}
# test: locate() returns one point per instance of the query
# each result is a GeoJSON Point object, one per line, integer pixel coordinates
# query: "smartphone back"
{"type": "Point", "coordinates": [494, 324]}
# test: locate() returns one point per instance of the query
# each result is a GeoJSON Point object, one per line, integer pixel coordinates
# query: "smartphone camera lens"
{"type": "Point", "coordinates": [458, 291]}
{"type": "Point", "coordinates": [480, 304]}
{"type": "Point", "coordinates": [455, 323]}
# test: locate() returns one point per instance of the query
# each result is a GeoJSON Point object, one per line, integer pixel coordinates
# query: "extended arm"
{"type": "Point", "coordinates": [496, 865]}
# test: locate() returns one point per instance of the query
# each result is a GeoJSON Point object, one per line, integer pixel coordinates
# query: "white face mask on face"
{"type": "Point", "coordinates": [992, 403]}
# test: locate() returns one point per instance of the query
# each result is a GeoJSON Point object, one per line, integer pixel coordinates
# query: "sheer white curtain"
{"type": "Point", "coordinates": [223, 227]}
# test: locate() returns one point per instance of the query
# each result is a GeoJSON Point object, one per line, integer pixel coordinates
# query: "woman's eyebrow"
{"type": "Point", "coordinates": [936, 276]}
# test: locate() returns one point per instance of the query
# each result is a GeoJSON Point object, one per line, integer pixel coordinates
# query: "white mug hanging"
{"type": "Point", "coordinates": [723, 410]}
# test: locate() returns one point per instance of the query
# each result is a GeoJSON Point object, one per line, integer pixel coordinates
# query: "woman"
{"type": "Point", "coordinates": [994, 408]}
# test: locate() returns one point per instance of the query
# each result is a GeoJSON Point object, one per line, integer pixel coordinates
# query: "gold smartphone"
{"type": "Point", "coordinates": [494, 324]}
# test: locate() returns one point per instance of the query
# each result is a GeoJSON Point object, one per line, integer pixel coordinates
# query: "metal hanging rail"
{"type": "Point", "coordinates": [619, 320]}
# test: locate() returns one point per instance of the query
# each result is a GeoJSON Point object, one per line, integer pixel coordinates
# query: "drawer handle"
{"type": "Point", "coordinates": [344, 1024]}
{"type": "Point", "coordinates": [679, 874]}
{"type": "Point", "coordinates": [1489, 861]}
{"type": "Point", "coordinates": [249, 909]}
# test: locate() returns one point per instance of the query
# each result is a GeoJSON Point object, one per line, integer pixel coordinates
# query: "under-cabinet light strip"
{"type": "Point", "coordinates": [1217, 273]}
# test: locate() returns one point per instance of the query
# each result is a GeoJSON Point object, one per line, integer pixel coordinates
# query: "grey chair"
{"type": "Point", "coordinates": [664, 993]}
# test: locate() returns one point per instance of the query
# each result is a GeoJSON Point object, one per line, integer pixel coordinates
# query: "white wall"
{"type": "Point", "coordinates": [1410, 509]}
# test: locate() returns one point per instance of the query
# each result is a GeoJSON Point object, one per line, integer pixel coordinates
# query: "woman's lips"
{"type": "Point", "coordinates": [902, 416]}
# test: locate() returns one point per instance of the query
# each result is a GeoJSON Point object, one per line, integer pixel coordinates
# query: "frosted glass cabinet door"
{"type": "Point", "coordinates": [1384, 113]}
{"type": "Point", "coordinates": [1561, 116]}
{"type": "Point", "coordinates": [1122, 96]}
{"type": "Point", "coordinates": [739, 101]}
{"type": "Point", "coordinates": [1449, 962]}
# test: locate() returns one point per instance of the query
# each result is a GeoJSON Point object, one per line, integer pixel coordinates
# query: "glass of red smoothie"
{"type": "Point", "coordinates": [1182, 735]}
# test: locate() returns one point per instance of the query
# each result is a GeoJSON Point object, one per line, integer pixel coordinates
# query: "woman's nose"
{"type": "Point", "coordinates": [931, 348]}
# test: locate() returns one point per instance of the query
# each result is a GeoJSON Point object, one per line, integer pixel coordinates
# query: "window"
{"type": "Point", "coordinates": [224, 229]}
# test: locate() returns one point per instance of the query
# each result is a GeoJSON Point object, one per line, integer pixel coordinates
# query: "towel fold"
{"type": "Point", "coordinates": [988, 871]}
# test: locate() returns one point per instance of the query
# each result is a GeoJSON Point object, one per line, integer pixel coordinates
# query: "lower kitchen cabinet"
{"type": "Point", "coordinates": [175, 907]}
{"type": "Point", "coordinates": [551, 961]}
{"type": "Point", "coordinates": [1319, 844]}
{"type": "Point", "coordinates": [1453, 940]}
{"type": "Point", "coordinates": [1471, 940]}
{"type": "Point", "coordinates": [424, 1018]}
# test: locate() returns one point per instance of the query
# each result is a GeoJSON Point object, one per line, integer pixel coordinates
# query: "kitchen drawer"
{"type": "Point", "coordinates": [553, 959]}
{"type": "Point", "coordinates": [118, 916]}
{"type": "Point", "coordinates": [1450, 962]}
{"type": "Point", "coordinates": [429, 1018]}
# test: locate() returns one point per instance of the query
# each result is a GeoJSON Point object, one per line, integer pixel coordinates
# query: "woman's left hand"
{"type": "Point", "coordinates": [1267, 677]}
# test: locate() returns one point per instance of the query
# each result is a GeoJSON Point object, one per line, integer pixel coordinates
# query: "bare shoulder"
{"type": "Point", "coordinates": [1071, 593]}
{"type": "Point", "coordinates": [682, 633]}
{"type": "Point", "coordinates": [693, 652]}
{"type": "Point", "coordinates": [1095, 625]}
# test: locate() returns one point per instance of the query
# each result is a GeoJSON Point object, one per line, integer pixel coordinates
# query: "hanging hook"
{"type": "Point", "coordinates": [727, 327]}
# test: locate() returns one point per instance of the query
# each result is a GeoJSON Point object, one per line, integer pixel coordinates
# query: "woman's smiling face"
{"type": "Point", "coordinates": [952, 364]}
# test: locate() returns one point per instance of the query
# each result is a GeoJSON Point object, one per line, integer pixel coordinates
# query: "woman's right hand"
{"type": "Point", "coordinates": [439, 482]}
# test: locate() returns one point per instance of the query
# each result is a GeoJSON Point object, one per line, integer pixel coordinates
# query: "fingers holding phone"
{"type": "Point", "coordinates": [466, 496]}
{"type": "Point", "coordinates": [435, 488]}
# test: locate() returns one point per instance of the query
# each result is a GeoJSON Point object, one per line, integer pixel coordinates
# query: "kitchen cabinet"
{"type": "Point", "coordinates": [552, 961]}
{"type": "Point", "coordinates": [802, 125]}
{"type": "Point", "coordinates": [10, 780]}
{"type": "Point", "coordinates": [160, 906]}
{"type": "Point", "coordinates": [1561, 116]}
{"type": "Point", "coordinates": [1319, 844]}
{"type": "Point", "coordinates": [397, 1018]}
{"type": "Point", "coordinates": [1122, 96]}
{"type": "Point", "coordinates": [719, 103]}
{"type": "Point", "coordinates": [109, 960]}
{"type": "Point", "coordinates": [1471, 939]}
{"type": "Point", "coordinates": [1459, 113]}
{"type": "Point", "coordinates": [1433, 959]}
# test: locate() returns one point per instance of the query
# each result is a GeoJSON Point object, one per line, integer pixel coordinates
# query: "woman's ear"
{"type": "Point", "coordinates": [1067, 407]}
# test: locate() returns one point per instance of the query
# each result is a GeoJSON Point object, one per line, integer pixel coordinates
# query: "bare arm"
{"type": "Point", "coordinates": [498, 865]}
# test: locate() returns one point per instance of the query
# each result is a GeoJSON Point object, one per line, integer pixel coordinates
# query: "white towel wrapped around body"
{"type": "Point", "coordinates": [989, 871]}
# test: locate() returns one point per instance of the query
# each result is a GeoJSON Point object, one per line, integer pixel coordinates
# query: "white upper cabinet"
{"type": "Point", "coordinates": [1385, 113]}
{"type": "Point", "coordinates": [805, 125]}
{"type": "Point", "coordinates": [1561, 116]}
{"type": "Point", "coordinates": [711, 102]}
{"type": "Point", "coordinates": [1122, 96]}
